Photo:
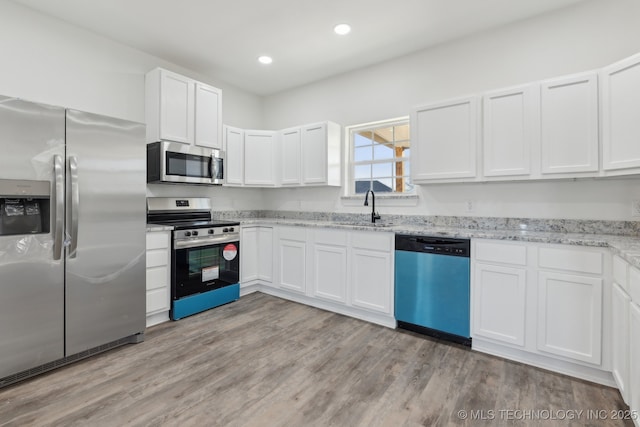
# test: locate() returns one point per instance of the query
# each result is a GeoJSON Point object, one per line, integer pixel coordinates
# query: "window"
{"type": "Point", "coordinates": [379, 158]}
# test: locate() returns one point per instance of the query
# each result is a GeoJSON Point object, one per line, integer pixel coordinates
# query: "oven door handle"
{"type": "Point", "coordinates": [184, 244]}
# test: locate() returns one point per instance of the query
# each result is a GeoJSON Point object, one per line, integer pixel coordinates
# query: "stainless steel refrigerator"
{"type": "Point", "coordinates": [72, 236]}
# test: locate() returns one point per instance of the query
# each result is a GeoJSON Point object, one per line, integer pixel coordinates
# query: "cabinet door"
{"type": "Point", "coordinates": [292, 248]}
{"type": "Point", "coordinates": [569, 124]}
{"type": "Point", "coordinates": [291, 157]}
{"type": "Point", "coordinates": [234, 152]}
{"type": "Point", "coordinates": [314, 154]}
{"type": "Point", "coordinates": [249, 254]}
{"type": "Point", "coordinates": [570, 316]}
{"type": "Point", "coordinates": [620, 339]}
{"type": "Point", "coordinates": [265, 254]}
{"type": "Point", "coordinates": [259, 154]}
{"type": "Point", "coordinates": [499, 301]}
{"type": "Point", "coordinates": [510, 130]}
{"type": "Point", "coordinates": [371, 280]}
{"type": "Point", "coordinates": [620, 106]}
{"type": "Point", "coordinates": [176, 107]}
{"type": "Point", "coordinates": [634, 357]}
{"type": "Point", "coordinates": [444, 139]}
{"type": "Point", "coordinates": [158, 271]}
{"type": "Point", "coordinates": [329, 265]}
{"type": "Point", "coordinates": [208, 116]}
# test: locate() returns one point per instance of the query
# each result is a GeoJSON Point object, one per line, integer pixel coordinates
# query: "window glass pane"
{"type": "Point", "coordinates": [382, 185]}
{"type": "Point", "coordinates": [362, 172]}
{"type": "Point", "coordinates": [361, 154]}
{"type": "Point", "coordinates": [362, 138]}
{"type": "Point", "coordinates": [382, 169]}
{"type": "Point", "coordinates": [362, 186]}
{"type": "Point", "coordinates": [381, 152]}
{"type": "Point", "coordinates": [374, 150]}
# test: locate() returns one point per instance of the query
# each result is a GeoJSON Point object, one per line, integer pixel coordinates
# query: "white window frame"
{"type": "Point", "coordinates": [349, 183]}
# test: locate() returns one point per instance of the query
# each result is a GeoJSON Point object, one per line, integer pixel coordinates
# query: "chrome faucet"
{"type": "Point", "coordinates": [374, 214]}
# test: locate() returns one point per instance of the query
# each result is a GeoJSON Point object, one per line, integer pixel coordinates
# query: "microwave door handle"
{"type": "Point", "coordinates": [58, 219]}
{"type": "Point", "coordinates": [216, 168]}
{"type": "Point", "coordinates": [75, 202]}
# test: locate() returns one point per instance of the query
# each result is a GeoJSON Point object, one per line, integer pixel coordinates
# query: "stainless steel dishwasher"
{"type": "Point", "coordinates": [432, 276]}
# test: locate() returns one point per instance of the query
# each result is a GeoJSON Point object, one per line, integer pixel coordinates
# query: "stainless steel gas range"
{"type": "Point", "coordinates": [205, 254]}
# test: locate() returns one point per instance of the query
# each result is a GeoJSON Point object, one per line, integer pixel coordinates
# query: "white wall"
{"type": "Point", "coordinates": [49, 61]}
{"type": "Point", "coordinates": [579, 38]}
{"type": "Point", "coordinates": [46, 60]}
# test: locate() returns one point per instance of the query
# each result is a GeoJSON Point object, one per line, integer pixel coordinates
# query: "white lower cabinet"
{"type": "Point", "coordinates": [292, 258]}
{"type": "Point", "coordinates": [158, 276]}
{"type": "Point", "coordinates": [329, 265]}
{"type": "Point", "coordinates": [500, 303]}
{"type": "Point", "coordinates": [634, 357]}
{"type": "Point", "coordinates": [620, 304]}
{"type": "Point", "coordinates": [347, 272]}
{"type": "Point", "coordinates": [256, 256]}
{"type": "Point", "coordinates": [570, 316]}
{"type": "Point", "coordinates": [543, 304]}
{"type": "Point", "coordinates": [370, 272]}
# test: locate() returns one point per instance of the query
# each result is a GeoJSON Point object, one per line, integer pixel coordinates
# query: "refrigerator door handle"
{"type": "Point", "coordinates": [58, 220]}
{"type": "Point", "coordinates": [75, 201]}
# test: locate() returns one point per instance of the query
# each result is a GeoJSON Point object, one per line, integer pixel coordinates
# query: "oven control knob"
{"type": "Point", "coordinates": [211, 231]}
{"type": "Point", "coordinates": [187, 233]}
{"type": "Point", "coordinates": [231, 230]}
{"type": "Point", "coordinates": [195, 233]}
{"type": "Point", "coordinates": [225, 230]}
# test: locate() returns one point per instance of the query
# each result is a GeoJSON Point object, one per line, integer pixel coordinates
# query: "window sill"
{"type": "Point", "coordinates": [382, 200]}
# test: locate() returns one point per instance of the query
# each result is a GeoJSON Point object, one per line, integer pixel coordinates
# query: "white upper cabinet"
{"type": "Point", "coordinates": [208, 122]}
{"type": "Point", "coordinates": [620, 107]}
{"type": "Point", "coordinates": [291, 163]}
{"type": "Point", "coordinates": [320, 154]}
{"type": "Point", "coordinates": [260, 157]}
{"type": "Point", "coordinates": [511, 118]}
{"type": "Point", "coordinates": [444, 139]}
{"type": "Point", "coordinates": [234, 160]}
{"type": "Point", "coordinates": [569, 124]}
{"type": "Point", "coordinates": [180, 109]}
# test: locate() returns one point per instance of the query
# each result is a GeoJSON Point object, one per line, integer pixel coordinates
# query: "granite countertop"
{"type": "Point", "coordinates": [626, 247]}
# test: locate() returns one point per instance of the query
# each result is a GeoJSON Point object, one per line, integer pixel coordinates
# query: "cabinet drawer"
{"type": "Point", "coordinates": [501, 253]}
{"type": "Point", "coordinates": [634, 285]}
{"type": "Point", "coordinates": [157, 239]}
{"type": "Point", "coordinates": [157, 258]}
{"type": "Point", "coordinates": [331, 237]}
{"type": "Point", "coordinates": [372, 240]}
{"type": "Point", "coordinates": [575, 260]}
{"type": "Point", "coordinates": [620, 272]}
{"type": "Point", "coordinates": [157, 277]}
{"type": "Point", "coordinates": [157, 300]}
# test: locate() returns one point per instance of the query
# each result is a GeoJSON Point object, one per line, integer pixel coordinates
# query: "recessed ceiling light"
{"type": "Point", "coordinates": [342, 29]}
{"type": "Point", "coordinates": [264, 59]}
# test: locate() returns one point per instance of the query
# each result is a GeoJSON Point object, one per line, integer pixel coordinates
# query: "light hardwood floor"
{"type": "Point", "coordinates": [263, 361]}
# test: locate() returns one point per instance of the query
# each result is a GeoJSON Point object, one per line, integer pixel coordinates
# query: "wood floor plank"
{"type": "Point", "coordinates": [263, 361]}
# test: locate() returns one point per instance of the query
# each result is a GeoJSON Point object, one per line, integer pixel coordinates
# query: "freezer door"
{"type": "Point", "coordinates": [31, 277]}
{"type": "Point", "coordinates": [106, 223]}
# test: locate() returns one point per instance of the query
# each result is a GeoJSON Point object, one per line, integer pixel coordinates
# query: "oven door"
{"type": "Point", "coordinates": [201, 267]}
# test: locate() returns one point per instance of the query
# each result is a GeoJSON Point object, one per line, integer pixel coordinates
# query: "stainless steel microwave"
{"type": "Point", "coordinates": [173, 162]}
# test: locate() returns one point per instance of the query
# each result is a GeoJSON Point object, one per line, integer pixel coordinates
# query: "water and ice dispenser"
{"type": "Point", "coordinates": [24, 207]}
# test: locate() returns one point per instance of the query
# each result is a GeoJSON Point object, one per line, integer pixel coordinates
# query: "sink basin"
{"type": "Point", "coordinates": [364, 224]}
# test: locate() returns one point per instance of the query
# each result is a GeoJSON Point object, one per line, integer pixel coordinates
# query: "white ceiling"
{"type": "Point", "coordinates": [223, 38]}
